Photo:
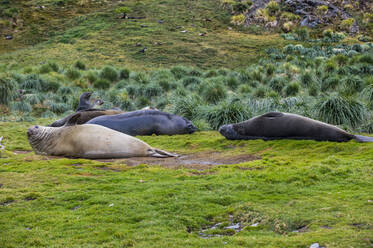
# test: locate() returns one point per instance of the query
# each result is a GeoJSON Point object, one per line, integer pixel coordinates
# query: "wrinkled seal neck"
{"type": "Point", "coordinates": [44, 140]}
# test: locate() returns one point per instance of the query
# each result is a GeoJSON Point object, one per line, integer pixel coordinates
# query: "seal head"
{"type": "Point", "coordinates": [228, 132]}
{"type": "Point", "coordinates": [190, 128]}
{"type": "Point", "coordinates": [84, 101]}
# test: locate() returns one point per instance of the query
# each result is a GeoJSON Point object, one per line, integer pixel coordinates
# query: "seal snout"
{"type": "Point", "coordinates": [192, 128]}
{"type": "Point", "coordinates": [32, 130]}
{"type": "Point", "coordinates": [228, 131]}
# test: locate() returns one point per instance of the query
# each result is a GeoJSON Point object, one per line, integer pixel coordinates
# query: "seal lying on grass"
{"type": "Point", "coordinates": [146, 122]}
{"type": "Point", "coordinates": [277, 125]}
{"type": "Point", "coordinates": [89, 141]}
{"type": "Point", "coordinates": [85, 116]}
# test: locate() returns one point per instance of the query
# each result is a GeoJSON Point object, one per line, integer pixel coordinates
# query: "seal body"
{"type": "Point", "coordinates": [85, 116]}
{"type": "Point", "coordinates": [146, 122]}
{"type": "Point", "coordinates": [88, 141]}
{"type": "Point", "coordinates": [277, 125]}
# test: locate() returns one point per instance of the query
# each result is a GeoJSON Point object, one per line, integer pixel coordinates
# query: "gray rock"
{"type": "Point", "coordinates": [315, 245]}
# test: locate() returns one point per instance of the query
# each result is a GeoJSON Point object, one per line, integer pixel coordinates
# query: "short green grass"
{"type": "Point", "coordinates": [61, 202]}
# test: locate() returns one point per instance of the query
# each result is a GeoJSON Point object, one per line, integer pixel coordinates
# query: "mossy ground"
{"type": "Point", "coordinates": [60, 202]}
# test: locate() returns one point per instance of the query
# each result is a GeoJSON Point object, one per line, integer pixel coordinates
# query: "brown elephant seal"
{"type": "Point", "coordinates": [277, 125]}
{"type": "Point", "coordinates": [89, 141]}
{"type": "Point", "coordinates": [85, 116]}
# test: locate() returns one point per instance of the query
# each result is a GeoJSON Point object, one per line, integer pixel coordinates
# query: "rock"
{"type": "Point", "coordinates": [160, 21]}
{"type": "Point", "coordinates": [138, 44]}
{"type": "Point", "coordinates": [143, 25]}
{"type": "Point", "coordinates": [202, 34]}
{"type": "Point", "coordinates": [255, 224]}
{"type": "Point", "coordinates": [315, 245]}
{"type": "Point", "coordinates": [8, 37]}
{"type": "Point", "coordinates": [184, 31]}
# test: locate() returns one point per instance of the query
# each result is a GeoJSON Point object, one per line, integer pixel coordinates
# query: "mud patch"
{"type": "Point", "coordinates": [221, 229]}
{"type": "Point", "coordinates": [108, 169]}
{"type": "Point", "coordinates": [199, 161]}
{"type": "Point", "coordinates": [301, 229]}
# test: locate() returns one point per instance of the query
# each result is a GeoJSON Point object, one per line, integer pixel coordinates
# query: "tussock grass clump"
{"type": "Point", "coordinates": [45, 68]}
{"type": "Point", "coordinates": [307, 79]}
{"type": "Point", "coordinates": [225, 112]}
{"type": "Point", "coordinates": [54, 66]}
{"type": "Point", "coordinates": [190, 81]}
{"type": "Point", "coordinates": [352, 84]}
{"type": "Point", "coordinates": [211, 74]}
{"type": "Point", "coordinates": [260, 92]}
{"type": "Point", "coordinates": [33, 98]}
{"type": "Point", "coordinates": [214, 91]}
{"type": "Point", "coordinates": [292, 89]}
{"type": "Point", "coordinates": [58, 107]}
{"type": "Point", "coordinates": [7, 90]}
{"type": "Point", "coordinates": [72, 74]}
{"type": "Point", "coordinates": [80, 65]}
{"type": "Point", "coordinates": [231, 81]}
{"type": "Point", "coordinates": [330, 83]}
{"type": "Point", "coordinates": [152, 90]}
{"type": "Point", "coordinates": [340, 59]}
{"type": "Point", "coordinates": [179, 71]}
{"type": "Point", "coordinates": [366, 58]}
{"type": "Point", "coordinates": [330, 66]}
{"type": "Point", "coordinates": [48, 114]}
{"type": "Point", "coordinates": [91, 76]}
{"type": "Point", "coordinates": [124, 73]}
{"type": "Point", "coordinates": [142, 101]}
{"type": "Point", "coordinates": [277, 83]}
{"type": "Point", "coordinates": [109, 73]}
{"type": "Point", "coordinates": [339, 110]}
{"type": "Point", "coordinates": [139, 77]}
{"type": "Point", "coordinates": [101, 83]}
{"type": "Point", "coordinates": [20, 106]}
{"type": "Point", "coordinates": [244, 89]}
{"type": "Point", "coordinates": [31, 82]}
{"type": "Point", "coordinates": [65, 90]}
{"type": "Point", "coordinates": [187, 106]}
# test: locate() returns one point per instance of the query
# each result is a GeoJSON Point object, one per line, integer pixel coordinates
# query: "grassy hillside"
{"type": "Point", "coordinates": [93, 32]}
{"type": "Point", "coordinates": [288, 194]}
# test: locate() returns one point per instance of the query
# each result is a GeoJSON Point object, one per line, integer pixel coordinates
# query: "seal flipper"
{"type": "Point", "coordinates": [161, 154]}
{"type": "Point", "coordinates": [73, 120]}
{"type": "Point", "coordinates": [361, 138]}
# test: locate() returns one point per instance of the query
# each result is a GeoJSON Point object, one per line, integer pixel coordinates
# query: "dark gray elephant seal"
{"type": "Point", "coordinates": [277, 125]}
{"type": "Point", "coordinates": [85, 116]}
{"type": "Point", "coordinates": [85, 102]}
{"type": "Point", "coordinates": [89, 141]}
{"type": "Point", "coordinates": [146, 122]}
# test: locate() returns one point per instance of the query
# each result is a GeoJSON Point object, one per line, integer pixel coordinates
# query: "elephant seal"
{"type": "Point", "coordinates": [89, 141]}
{"type": "Point", "coordinates": [277, 125]}
{"type": "Point", "coordinates": [146, 122]}
{"type": "Point", "coordinates": [85, 116]}
{"type": "Point", "coordinates": [84, 102]}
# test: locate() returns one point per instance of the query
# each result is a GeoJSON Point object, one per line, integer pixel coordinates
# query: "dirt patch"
{"type": "Point", "coordinates": [108, 169]}
{"type": "Point", "coordinates": [199, 161]}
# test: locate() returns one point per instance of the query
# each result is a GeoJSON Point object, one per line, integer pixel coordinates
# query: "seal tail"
{"type": "Point", "coordinates": [162, 154]}
{"type": "Point", "coordinates": [361, 138]}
